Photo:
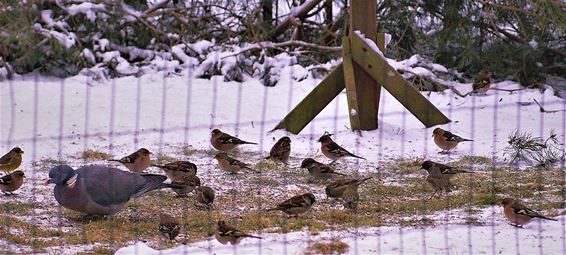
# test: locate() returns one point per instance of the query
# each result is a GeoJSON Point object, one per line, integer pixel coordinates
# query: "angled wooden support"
{"type": "Point", "coordinates": [314, 102]}
{"type": "Point", "coordinates": [374, 63]}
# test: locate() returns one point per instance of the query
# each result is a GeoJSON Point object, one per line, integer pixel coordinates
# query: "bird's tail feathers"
{"type": "Point", "coordinates": [246, 142]}
{"type": "Point", "coordinates": [466, 140]}
{"type": "Point", "coordinates": [364, 179]}
{"type": "Point", "coordinates": [356, 156]}
{"type": "Point", "coordinates": [115, 160]}
{"type": "Point", "coordinates": [546, 218]}
{"type": "Point", "coordinates": [252, 236]}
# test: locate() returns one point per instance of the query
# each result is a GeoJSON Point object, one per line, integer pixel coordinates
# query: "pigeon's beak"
{"type": "Point", "coordinates": [46, 182]}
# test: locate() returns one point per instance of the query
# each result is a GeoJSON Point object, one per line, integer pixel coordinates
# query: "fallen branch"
{"type": "Point", "coordinates": [544, 110]}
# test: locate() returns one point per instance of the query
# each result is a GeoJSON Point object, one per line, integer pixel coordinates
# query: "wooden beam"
{"type": "Point", "coordinates": [314, 102]}
{"type": "Point", "coordinates": [375, 65]}
{"type": "Point", "coordinates": [367, 92]}
{"type": "Point", "coordinates": [350, 82]}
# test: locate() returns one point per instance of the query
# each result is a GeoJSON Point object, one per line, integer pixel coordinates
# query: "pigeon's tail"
{"type": "Point", "coordinates": [153, 181]}
{"type": "Point", "coordinates": [172, 186]}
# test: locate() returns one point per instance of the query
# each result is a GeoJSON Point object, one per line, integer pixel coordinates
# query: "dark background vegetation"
{"type": "Point", "coordinates": [523, 40]}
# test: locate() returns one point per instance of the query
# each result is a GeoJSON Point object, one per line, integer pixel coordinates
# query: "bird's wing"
{"type": "Point", "coordinates": [6, 159]}
{"type": "Point", "coordinates": [325, 169]}
{"type": "Point", "coordinates": [296, 201]}
{"type": "Point", "coordinates": [523, 210]}
{"type": "Point", "coordinates": [336, 149]}
{"type": "Point", "coordinates": [451, 137]}
{"type": "Point", "coordinates": [6, 179]}
{"type": "Point", "coordinates": [130, 158]}
{"type": "Point", "coordinates": [107, 185]}
{"type": "Point", "coordinates": [228, 139]}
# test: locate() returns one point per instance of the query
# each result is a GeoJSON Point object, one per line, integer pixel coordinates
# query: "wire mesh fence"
{"type": "Point", "coordinates": [57, 121]}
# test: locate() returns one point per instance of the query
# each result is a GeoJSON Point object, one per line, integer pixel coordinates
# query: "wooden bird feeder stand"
{"type": "Point", "coordinates": [363, 71]}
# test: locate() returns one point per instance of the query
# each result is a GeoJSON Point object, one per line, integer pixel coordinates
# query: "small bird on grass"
{"type": "Point", "coordinates": [518, 214]}
{"type": "Point", "coordinates": [188, 184]}
{"type": "Point", "coordinates": [281, 150]}
{"type": "Point", "coordinates": [332, 150]}
{"type": "Point", "coordinates": [137, 161]}
{"type": "Point", "coordinates": [231, 165]}
{"type": "Point", "coordinates": [204, 198]}
{"type": "Point", "coordinates": [336, 188]}
{"type": "Point", "coordinates": [228, 234]}
{"type": "Point", "coordinates": [439, 175]}
{"type": "Point", "coordinates": [100, 190]}
{"type": "Point", "coordinates": [482, 82]}
{"type": "Point", "coordinates": [445, 170]}
{"type": "Point", "coordinates": [319, 171]}
{"type": "Point", "coordinates": [225, 142]}
{"type": "Point", "coordinates": [169, 226]}
{"type": "Point", "coordinates": [296, 205]}
{"type": "Point", "coordinates": [11, 160]}
{"type": "Point", "coordinates": [446, 140]}
{"type": "Point", "coordinates": [178, 169]}
{"type": "Point", "coordinates": [12, 182]}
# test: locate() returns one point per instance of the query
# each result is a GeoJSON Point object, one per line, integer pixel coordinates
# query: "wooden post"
{"type": "Point", "coordinates": [366, 90]}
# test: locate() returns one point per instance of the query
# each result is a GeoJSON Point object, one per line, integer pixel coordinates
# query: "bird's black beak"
{"type": "Point", "coordinates": [46, 182]}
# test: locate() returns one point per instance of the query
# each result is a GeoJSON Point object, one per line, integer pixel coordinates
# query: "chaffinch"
{"type": "Point", "coordinates": [281, 150]}
{"type": "Point", "coordinates": [332, 150]}
{"type": "Point", "coordinates": [178, 169]}
{"type": "Point", "coordinates": [12, 182]}
{"type": "Point", "coordinates": [228, 234]}
{"type": "Point", "coordinates": [518, 214]}
{"type": "Point", "coordinates": [137, 161]}
{"type": "Point", "coordinates": [188, 183]}
{"type": "Point", "coordinates": [446, 140]}
{"type": "Point", "coordinates": [231, 165]}
{"type": "Point", "coordinates": [319, 170]}
{"type": "Point", "coordinates": [296, 205]}
{"type": "Point", "coordinates": [225, 142]}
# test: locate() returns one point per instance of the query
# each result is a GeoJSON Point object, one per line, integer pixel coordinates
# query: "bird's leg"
{"type": "Point", "coordinates": [516, 225]}
{"type": "Point", "coordinates": [436, 191]}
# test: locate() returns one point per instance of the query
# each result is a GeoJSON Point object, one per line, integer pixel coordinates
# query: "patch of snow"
{"type": "Point", "coordinates": [533, 44]}
{"type": "Point", "coordinates": [387, 39]}
{"type": "Point", "coordinates": [88, 55]}
{"type": "Point", "coordinates": [439, 68]}
{"type": "Point", "coordinates": [88, 9]}
{"type": "Point", "coordinates": [540, 237]}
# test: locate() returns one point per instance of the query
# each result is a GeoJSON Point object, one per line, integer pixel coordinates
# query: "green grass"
{"type": "Point", "coordinates": [95, 155]}
{"type": "Point", "coordinates": [405, 202]}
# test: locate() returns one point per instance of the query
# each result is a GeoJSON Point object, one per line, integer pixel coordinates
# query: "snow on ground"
{"type": "Point", "coordinates": [53, 118]}
{"type": "Point", "coordinates": [537, 238]}
{"type": "Point", "coordinates": [154, 111]}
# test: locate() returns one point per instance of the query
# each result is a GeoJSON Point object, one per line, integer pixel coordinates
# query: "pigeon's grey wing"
{"type": "Point", "coordinates": [108, 186]}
